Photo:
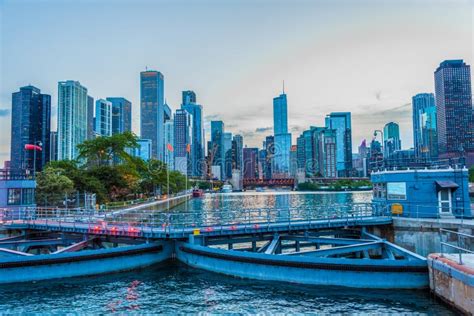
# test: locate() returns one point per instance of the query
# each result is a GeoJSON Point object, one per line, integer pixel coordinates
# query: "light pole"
{"type": "Point", "coordinates": [37, 143]}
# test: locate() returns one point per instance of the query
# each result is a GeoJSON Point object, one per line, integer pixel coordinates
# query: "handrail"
{"type": "Point", "coordinates": [458, 247]}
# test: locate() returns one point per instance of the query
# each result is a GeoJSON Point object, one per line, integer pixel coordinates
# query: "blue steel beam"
{"type": "Point", "coordinates": [339, 250]}
{"type": "Point", "coordinates": [273, 245]}
{"type": "Point", "coordinates": [328, 240]}
{"type": "Point", "coordinates": [9, 252]}
{"type": "Point", "coordinates": [30, 243]}
{"type": "Point", "coordinates": [75, 247]}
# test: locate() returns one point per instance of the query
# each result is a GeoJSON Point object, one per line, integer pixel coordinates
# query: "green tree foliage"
{"type": "Point", "coordinates": [52, 186]}
{"type": "Point", "coordinates": [106, 169]}
{"type": "Point", "coordinates": [105, 150]}
{"type": "Point", "coordinates": [471, 174]}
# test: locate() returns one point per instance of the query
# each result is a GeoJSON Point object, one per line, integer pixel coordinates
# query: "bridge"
{"type": "Point", "coordinates": [269, 182]}
{"type": "Point", "coordinates": [148, 224]}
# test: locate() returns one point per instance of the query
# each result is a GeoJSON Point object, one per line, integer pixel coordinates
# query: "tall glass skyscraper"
{"type": "Point", "coordinates": [425, 139]}
{"type": "Point", "coordinates": [237, 148]}
{"type": "Point", "coordinates": [341, 122]}
{"type": "Point", "coordinates": [103, 117]}
{"type": "Point", "coordinates": [72, 118]}
{"type": "Point", "coordinates": [90, 117]}
{"type": "Point", "coordinates": [282, 139]}
{"type": "Point", "coordinates": [455, 118]}
{"type": "Point", "coordinates": [121, 115]}
{"type": "Point", "coordinates": [152, 110]}
{"type": "Point", "coordinates": [217, 147]}
{"type": "Point", "coordinates": [228, 155]}
{"type": "Point", "coordinates": [183, 128]}
{"type": "Point", "coordinates": [189, 104]}
{"type": "Point", "coordinates": [31, 124]}
{"type": "Point", "coordinates": [391, 139]}
{"type": "Point", "coordinates": [169, 140]}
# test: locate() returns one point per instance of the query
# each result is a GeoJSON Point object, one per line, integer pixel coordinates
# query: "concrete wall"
{"type": "Point", "coordinates": [453, 283]}
{"type": "Point", "coordinates": [422, 235]}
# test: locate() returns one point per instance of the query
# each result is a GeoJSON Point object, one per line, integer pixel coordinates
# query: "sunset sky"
{"type": "Point", "coordinates": [367, 57]}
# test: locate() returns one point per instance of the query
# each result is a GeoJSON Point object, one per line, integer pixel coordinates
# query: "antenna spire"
{"type": "Point", "coordinates": [283, 86]}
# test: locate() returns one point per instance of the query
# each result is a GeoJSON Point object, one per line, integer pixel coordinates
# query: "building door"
{"type": "Point", "coordinates": [445, 202]}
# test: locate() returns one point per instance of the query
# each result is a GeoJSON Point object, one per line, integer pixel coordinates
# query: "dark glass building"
{"type": "Point", "coordinates": [217, 146]}
{"type": "Point", "coordinates": [90, 117]}
{"type": "Point", "coordinates": [425, 138]}
{"type": "Point", "coordinates": [152, 111]}
{"type": "Point", "coordinates": [195, 110]}
{"type": "Point", "coordinates": [455, 120]}
{"type": "Point", "coordinates": [250, 156]}
{"type": "Point", "coordinates": [121, 115]}
{"type": "Point", "coordinates": [31, 124]}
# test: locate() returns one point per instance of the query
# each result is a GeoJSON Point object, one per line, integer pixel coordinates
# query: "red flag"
{"type": "Point", "coordinates": [169, 147]}
{"type": "Point", "coordinates": [33, 147]}
{"type": "Point", "coordinates": [188, 148]}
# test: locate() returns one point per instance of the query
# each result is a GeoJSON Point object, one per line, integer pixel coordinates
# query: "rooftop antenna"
{"type": "Point", "coordinates": [146, 68]}
{"type": "Point", "coordinates": [283, 86]}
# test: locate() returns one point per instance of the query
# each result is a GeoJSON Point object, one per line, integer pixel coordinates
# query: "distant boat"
{"type": "Point", "coordinates": [226, 188]}
{"type": "Point", "coordinates": [198, 193]}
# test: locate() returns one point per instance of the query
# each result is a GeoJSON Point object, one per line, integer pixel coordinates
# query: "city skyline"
{"type": "Point", "coordinates": [372, 104]}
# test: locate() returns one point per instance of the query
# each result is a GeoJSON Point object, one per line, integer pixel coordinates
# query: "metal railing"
{"type": "Point", "coordinates": [462, 242]}
{"type": "Point", "coordinates": [180, 221]}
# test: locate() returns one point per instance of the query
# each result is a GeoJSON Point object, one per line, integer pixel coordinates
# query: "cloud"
{"type": "Point", "coordinates": [212, 117]}
{"type": "Point", "coordinates": [4, 112]}
{"type": "Point", "coordinates": [263, 129]}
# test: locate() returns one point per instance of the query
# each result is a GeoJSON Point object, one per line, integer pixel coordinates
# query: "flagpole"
{"type": "Point", "coordinates": [168, 181]}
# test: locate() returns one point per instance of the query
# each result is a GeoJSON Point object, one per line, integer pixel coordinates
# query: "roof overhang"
{"type": "Point", "coordinates": [441, 185]}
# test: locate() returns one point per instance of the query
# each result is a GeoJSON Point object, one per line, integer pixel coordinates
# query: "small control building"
{"type": "Point", "coordinates": [429, 193]}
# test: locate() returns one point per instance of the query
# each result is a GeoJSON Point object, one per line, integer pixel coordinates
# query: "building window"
{"type": "Point", "coordinates": [28, 197]}
{"type": "Point", "coordinates": [14, 197]}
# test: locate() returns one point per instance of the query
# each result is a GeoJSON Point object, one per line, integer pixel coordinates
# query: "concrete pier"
{"type": "Point", "coordinates": [422, 235]}
{"type": "Point", "coordinates": [453, 282]}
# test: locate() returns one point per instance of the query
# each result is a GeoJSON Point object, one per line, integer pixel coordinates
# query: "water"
{"type": "Point", "coordinates": [172, 287]}
{"type": "Point", "coordinates": [175, 288]}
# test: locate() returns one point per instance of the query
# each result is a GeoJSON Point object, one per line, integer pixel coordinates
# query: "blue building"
{"type": "Point", "coordinates": [144, 149]}
{"type": "Point", "coordinates": [90, 117]}
{"type": "Point", "coordinates": [425, 139]}
{"type": "Point", "coordinates": [152, 110]}
{"type": "Point", "coordinates": [455, 117]}
{"type": "Point", "coordinates": [423, 192]}
{"type": "Point", "coordinates": [183, 127]}
{"type": "Point", "coordinates": [216, 149]}
{"type": "Point", "coordinates": [282, 139]}
{"type": "Point", "coordinates": [73, 124]}
{"type": "Point", "coordinates": [121, 115]}
{"type": "Point", "coordinates": [169, 144]}
{"type": "Point", "coordinates": [31, 124]}
{"type": "Point", "coordinates": [237, 152]}
{"type": "Point", "coordinates": [228, 155]}
{"type": "Point", "coordinates": [341, 122]}
{"type": "Point", "coordinates": [195, 110]}
{"type": "Point", "coordinates": [103, 117]}
{"type": "Point", "coordinates": [391, 139]}
{"type": "Point", "coordinates": [17, 191]}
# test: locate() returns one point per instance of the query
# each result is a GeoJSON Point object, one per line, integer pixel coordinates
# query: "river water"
{"type": "Point", "coordinates": [174, 288]}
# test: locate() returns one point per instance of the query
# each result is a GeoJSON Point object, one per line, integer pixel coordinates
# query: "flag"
{"type": "Point", "coordinates": [169, 147]}
{"type": "Point", "coordinates": [188, 148]}
{"type": "Point", "coordinates": [33, 147]}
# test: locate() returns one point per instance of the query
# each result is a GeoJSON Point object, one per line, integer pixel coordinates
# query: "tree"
{"type": "Point", "coordinates": [52, 186]}
{"type": "Point", "coordinates": [106, 150]}
{"type": "Point", "coordinates": [471, 174]}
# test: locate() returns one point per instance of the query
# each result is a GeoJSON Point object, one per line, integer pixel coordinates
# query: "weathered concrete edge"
{"type": "Point", "coordinates": [451, 268]}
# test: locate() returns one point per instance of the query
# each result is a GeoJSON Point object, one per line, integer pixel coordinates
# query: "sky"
{"type": "Point", "coordinates": [368, 57]}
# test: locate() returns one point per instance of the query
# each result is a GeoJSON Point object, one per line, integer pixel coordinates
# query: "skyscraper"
{"type": "Point", "coordinates": [217, 147]}
{"type": "Point", "coordinates": [169, 144]}
{"type": "Point", "coordinates": [72, 118]}
{"type": "Point", "coordinates": [31, 122]}
{"type": "Point", "coordinates": [188, 97]}
{"type": "Point", "coordinates": [90, 117]}
{"type": "Point", "coordinates": [121, 115]}
{"type": "Point", "coordinates": [189, 104]}
{"type": "Point", "coordinates": [282, 140]}
{"type": "Point", "coordinates": [250, 163]}
{"type": "Point", "coordinates": [228, 155]}
{"type": "Point", "coordinates": [53, 146]}
{"type": "Point", "coordinates": [455, 118]}
{"type": "Point", "coordinates": [152, 110]}
{"type": "Point", "coordinates": [182, 141]}
{"type": "Point", "coordinates": [341, 122]}
{"type": "Point", "coordinates": [103, 117]}
{"type": "Point", "coordinates": [270, 149]}
{"type": "Point", "coordinates": [425, 139]}
{"type": "Point", "coordinates": [329, 153]}
{"type": "Point", "coordinates": [391, 139]}
{"type": "Point", "coordinates": [237, 148]}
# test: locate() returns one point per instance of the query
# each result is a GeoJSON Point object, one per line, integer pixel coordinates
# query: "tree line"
{"type": "Point", "coordinates": [105, 167]}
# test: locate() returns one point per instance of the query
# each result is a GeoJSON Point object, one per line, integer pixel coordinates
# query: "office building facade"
{"type": "Point", "coordinates": [72, 118]}
{"type": "Point", "coordinates": [31, 124]}
{"type": "Point", "coordinates": [341, 123]}
{"type": "Point", "coordinates": [121, 115]}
